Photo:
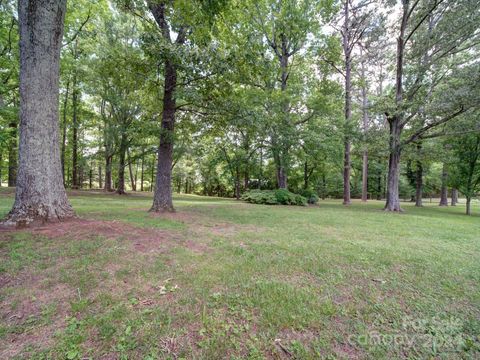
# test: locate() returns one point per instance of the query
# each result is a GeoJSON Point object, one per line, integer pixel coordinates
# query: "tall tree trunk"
{"type": "Point", "coordinates": [365, 130]}
{"type": "Point", "coordinates": [395, 124]}
{"type": "Point", "coordinates": [419, 185]}
{"type": "Point", "coordinates": [444, 190]}
{"type": "Point", "coordinates": [237, 184]}
{"type": "Point", "coordinates": [348, 107]}
{"type": "Point", "coordinates": [90, 178]}
{"type": "Point", "coordinates": [75, 135]}
{"type": "Point", "coordinates": [64, 130]}
{"type": "Point", "coordinates": [40, 195]}
{"type": "Point", "coordinates": [12, 155]}
{"type": "Point", "coordinates": [468, 209]}
{"type": "Point", "coordinates": [393, 193]}
{"type": "Point", "coordinates": [108, 173]}
{"type": "Point", "coordinates": [130, 171]}
{"type": "Point", "coordinates": [419, 178]}
{"type": "Point", "coordinates": [162, 199]}
{"type": "Point", "coordinates": [454, 197]}
{"type": "Point", "coordinates": [121, 165]}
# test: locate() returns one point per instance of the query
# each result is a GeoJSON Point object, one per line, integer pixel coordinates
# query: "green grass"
{"type": "Point", "coordinates": [234, 280]}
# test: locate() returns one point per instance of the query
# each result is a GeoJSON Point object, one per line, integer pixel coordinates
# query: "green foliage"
{"type": "Point", "coordinates": [310, 195]}
{"type": "Point", "coordinates": [274, 197]}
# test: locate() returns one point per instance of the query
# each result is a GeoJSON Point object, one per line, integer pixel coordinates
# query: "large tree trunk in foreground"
{"type": "Point", "coordinates": [393, 192]}
{"type": "Point", "coordinates": [454, 197]}
{"type": "Point", "coordinates": [40, 195]}
{"type": "Point", "coordinates": [444, 190]}
{"type": "Point", "coordinates": [162, 198]}
{"type": "Point", "coordinates": [468, 210]}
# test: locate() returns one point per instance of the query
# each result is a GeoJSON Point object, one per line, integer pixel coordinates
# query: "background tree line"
{"type": "Point", "coordinates": [219, 97]}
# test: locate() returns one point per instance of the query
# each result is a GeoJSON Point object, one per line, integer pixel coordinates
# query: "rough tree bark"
{"type": "Point", "coordinates": [162, 198]}
{"type": "Point", "coordinates": [40, 195]}
{"type": "Point", "coordinates": [395, 124]}
{"type": "Point", "coordinates": [393, 195]}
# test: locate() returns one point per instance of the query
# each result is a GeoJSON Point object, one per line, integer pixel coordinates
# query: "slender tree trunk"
{"type": "Point", "coordinates": [393, 195]}
{"type": "Point", "coordinates": [90, 179]}
{"type": "Point", "coordinates": [454, 197]}
{"type": "Point", "coordinates": [305, 175]}
{"type": "Point", "coordinates": [130, 171]}
{"type": "Point", "coordinates": [12, 155]}
{"type": "Point", "coordinates": [108, 173]}
{"type": "Point", "coordinates": [121, 165]}
{"type": "Point", "coordinates": [75, 135]}
{"type": "Point", "coordinates": [142, 173]}
{"type": "Point", "coordinates": [324, 186]}
{"type": "Point", "coordinates": [100, 176]}
{"type": "Point", "coordinates": [419, 185]}
{"type": "Point", "coordinates": [419, 178]}
{"type": "Point", "coordinates": [348, 107]}
{"type": "Point", "coordinates": [40, 195]}
{"type": "Point", "coordinates": [365, 130]}
{"type": "Point", "coordinates": [152, 178]}
{"type": "Point", "coordinates": [237, 184]}
{"type": "Point", "coordinates": [444, 190]}
{"type": "Point", "coordinates": [64, 129]}
{"type": "Point", "coordinates": [468, 206]}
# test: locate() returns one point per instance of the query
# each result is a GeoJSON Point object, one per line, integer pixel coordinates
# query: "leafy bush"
{"type": "Point", "coordinates": [274, 197]}
{"type": "Point", "coordinates": [310, 195]}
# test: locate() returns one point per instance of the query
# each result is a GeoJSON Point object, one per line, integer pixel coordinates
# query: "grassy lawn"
{"type": "Point", "coordinates": [222, 279]}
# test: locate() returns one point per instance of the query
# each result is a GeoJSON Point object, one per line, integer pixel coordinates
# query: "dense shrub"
{"type": "Point", "coordinates": [274, 197]}
{"type": "Point", "coordinates": [310, 195]}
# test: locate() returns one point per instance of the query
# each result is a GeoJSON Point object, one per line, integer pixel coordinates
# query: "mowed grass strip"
{"type": "Point", "coordinates": [225, 279]}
